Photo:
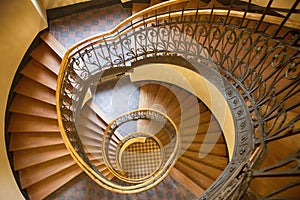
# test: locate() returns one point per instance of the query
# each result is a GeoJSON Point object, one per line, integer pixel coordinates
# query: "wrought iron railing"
{"type": "Point", "coordinates": [142, 159]}
{"type": "Point", "coordinates": [254, 49]}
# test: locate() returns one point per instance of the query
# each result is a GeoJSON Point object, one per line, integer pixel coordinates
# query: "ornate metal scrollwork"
{"type": "Point", "coordinates": [260, 67]}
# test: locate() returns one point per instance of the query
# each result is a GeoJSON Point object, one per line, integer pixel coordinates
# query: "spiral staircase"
{"type": "Point", "coordinates": [208, 89]}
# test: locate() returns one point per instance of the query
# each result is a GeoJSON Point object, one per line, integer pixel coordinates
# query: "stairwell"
{"type": "Point", "coordinates": [47, 170]}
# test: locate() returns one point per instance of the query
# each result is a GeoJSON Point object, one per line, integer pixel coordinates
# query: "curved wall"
{"type": "Point", "coordinates": [20, 23]}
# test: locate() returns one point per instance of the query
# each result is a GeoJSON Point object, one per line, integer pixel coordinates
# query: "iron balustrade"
{"type": "Point", "coordinates": [168, 148]}
{"type": "Point", "coordinates": [254, 48]}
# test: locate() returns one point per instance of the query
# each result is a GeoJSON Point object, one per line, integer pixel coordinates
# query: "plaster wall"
{"type": "Point", "coordinates": [20, 23]}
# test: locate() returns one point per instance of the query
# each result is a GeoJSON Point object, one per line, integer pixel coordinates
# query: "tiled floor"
{"type": "Point", "coordinates": [71, 29]}
{"type": "Point", "coordinates": [83, 188]}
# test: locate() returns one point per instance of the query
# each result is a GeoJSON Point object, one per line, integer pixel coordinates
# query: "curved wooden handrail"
{"type": "Point", "coordinates": [172, 14]}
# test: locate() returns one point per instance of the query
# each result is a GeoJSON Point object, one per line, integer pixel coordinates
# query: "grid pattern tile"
{"type": "Point", "coordinates": [71, 29]}
{"type": "Point", "coordinates": [139, 159]}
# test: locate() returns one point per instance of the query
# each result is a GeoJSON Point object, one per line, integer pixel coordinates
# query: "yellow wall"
{"type": "Point", "coordinates": [197, 85]}
{"type": "Point", "coordinates": [19, 23]}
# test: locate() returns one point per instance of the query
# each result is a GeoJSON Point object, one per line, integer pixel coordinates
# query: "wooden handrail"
{"type": "Point", "coordinates": [99, 38]}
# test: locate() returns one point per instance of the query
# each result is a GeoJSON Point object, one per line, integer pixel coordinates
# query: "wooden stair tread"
{"type": "Point", "coordinates": [198, 178]}
{"type": "Point", "coordinates": [36, 173]}
{"type": "Point", "coordinates": [28, 123]}
{"type": "Point", "coordinates": [211, 126]}
{"type": "Point", "coordinates": [154, 2]}
{"type": "Point", "coordinates": [209, 138]}
{"type": "Point", "coordinates": [30, 157]}
{"type": "Point", "coordinates": [26, 105]}
{"type": "Point", "coordinates": [161, 94]}
{"type": "Point", "coordinates": [35, 90]}
{"type": "Point", "coordinates": [90, 141]}
{"type": "Point", "coordinates": [210, 160]}
{"type": "Point", "coordinates": [212, 149]}
{"type": "Point", "coordinates": [28, 140]}
{"type": "Point", "coordinates": [189, 102]}
{"type": "Point", "coordinates": [181, 96]}
{"type": "Point", "coordinates": [92, 116]}
{"type": "Point", "coordinates": [100, 114]}
{"type": "Point", "coordinates": [208, 171]}
{"type": "Point", "coordinates": [86, 132]}
{"type": "Point", "coordinates": [170, 97]}
{"type": "Point", "coordinates": [47, 57]}
{"type": "Point", "coordinates": [93, 131]}
{"type": "Point", "coordinates": [45, 187]}
{"type": "Point", "coordinates": [39, 73]}
{"type": "Point", "coordinates": [151, 93]}
{"type": "Point", "coordinates": [191, 116]}
{"type": "Point", "coordinates": [56, 46]}
{"type": "Point", "coordinates": [103, 169]}
{"type": "Point", "coordinates": [89, 124]}
{"type": "Point", "coordinates": [136, 7]}
{"type": "Point", "coordinates": [195, 4]}
{"type": "Point", "coordinates": [186, 181]}
{"type": "Point", "coordinates": [143, 96]}
{"type": "Point", "coordinates": [36, 71]}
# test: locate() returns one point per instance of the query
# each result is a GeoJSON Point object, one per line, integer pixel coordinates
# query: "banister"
{"type": "Point", "coordinates": [251, 64]}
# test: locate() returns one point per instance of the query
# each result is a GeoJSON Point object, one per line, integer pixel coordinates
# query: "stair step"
{"type": "Point", "coordinates": [92, 116]}
{"type": "Point", "coordinates": [34, 70]}
{"type": "Point", "coordinates": [161, 94]}
{"type": "Point", "coordinates": [47, 57]}
{"type": "Point", "coordinates": [211, 149]}
{"type": "Point", "coordinates": [187, 182]}
{"type": "Point", "coordinates": [209, 160]}
{"type": "Point", "coordinates": [151, 93]}
{"type": "Point", "coordinates": [97, 110]}
{"type": "Point", "coordinates": [190, 101]}
{"type": "Point", "coordinates": [195, 117]}
{"type": "Point", "coordinates": [45, 187]}
{"type": "Point", "coordinates": [36, 173]}
{"type": "Point", "coordinates": [143, 96]}
{"type": "Point", "coordinates": [136, 7]}
{"type": "Point", "coordinates": [28, 140]}
{"type": "Point", "coordinates": [103, 169]}
{"type": "Point", "coordinates": [209, 138]}
{"type": "Point", "coordinates": [191, 122]}
{"type": "Point", "coordinates": [154, 2]}
{"type": "Point", "coordinates": [86, 132]}
{"type": "Point", "coordinates": [93, 149]}
{"type": "Point", "coordinates": [208, 171]}
{"type": "Point", "coordinates": [97, 158]}
{"type": "Point", "coordinates": [93, 130]}
{"type": "Point", "coordinates": [27, 105]}
{"type": "Point", "coordinates": [30, 157]}
{"type": "Point", "coordinates": [35, 90]}
{"type": "Point", "coordinates": [170, 96]}
{"type": "Point", "coordinates": [192, 114]}
{"type": "Point", "coordinates": [56, 46]}
{"type": "Point", "coordinates": [27, 123]}
{"type": "Point", "coordinates": [89, 124]}
{"type": "Point", "coordinates": [200, 179]}
{"type": "Point", "coordinates": [195, 4]}
{"type": "Point", "coordinates": [100, 165]}
{"type": "Point", "coordinates": [173, 104]}
{"type": "Point", "coordinates": [211, 126]}
{"type": "Point", "coordinates": [90, 141]}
